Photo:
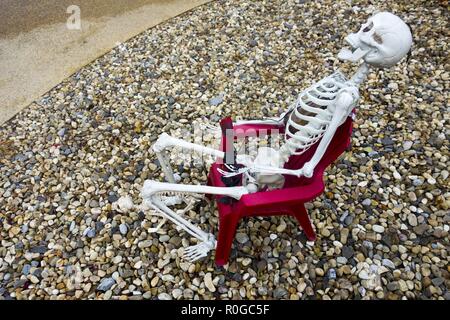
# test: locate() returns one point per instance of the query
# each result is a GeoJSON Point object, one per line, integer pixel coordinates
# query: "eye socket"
{"type": "Point", "coordinates": [377, 38]}
{"type": "Point", "coordinates": [368, 28]}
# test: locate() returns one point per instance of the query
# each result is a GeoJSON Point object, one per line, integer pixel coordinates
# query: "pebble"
{"type": "Point", "coordinates": [145, 244]}
{"type": "Point", "coordinates": [216, 100]}
{"type": "Point", "coordinates": [393, 286]}
{"type": "Point", "coordinates": [117, 259]}
{"type": "Point", "coordinates": [363, 275]}
{"type": "Point", "coordinates": [33, 279]}
{"type": "Point", "coordinates": [241, 237]}
{"type": "Point", "coordinates": [388, 263]}
{"type": "Point", "coordinates": [412, 196]}
{"type": "Point", "coordinates": [123, 228]}
{"type": "Point", "coordinates": [344, 235]}
{"type": "Point", "coordinates": [26, 269]}
{"type": "Point", "coordinates": [319, 272]}
{"type": "Point", "coordinates": [177, 293]}
{"type": "Point", "coordinates": [347, 252]}
{"type": "Point", "coordinates": [91, 233]}
{"type": "Point", "coordinates": [412, 219]}
{"type": "Point", "coordinates": [164, 296]}
{"type": "Point", "coordinates": [377, 228]}
{"type": "Point", "coordinates": [332, 274]}
{"type": "Point", "coordinates": [407, 145]}
{"type": "Point", "coordinates": [66, 169]}
{"type": "Point", "coordinates": [341, 260]}
{"type": "Point", "coordinates": [209, 283]}
{"type": "Point", "coordinates": [106, 284]}
{"type": "Point", "coordinates": [437, 281]}
{"type": "Point", "coordinates": [164, 238]}
{"type": "Point", "coordinates": [279, 293]}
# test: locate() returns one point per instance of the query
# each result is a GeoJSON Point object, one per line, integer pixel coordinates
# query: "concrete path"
{"type": "Point", "coordinates": [38, 50]}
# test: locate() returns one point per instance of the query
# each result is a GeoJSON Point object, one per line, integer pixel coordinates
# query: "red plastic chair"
{"type": "Point", "coordinates": [290, 200]}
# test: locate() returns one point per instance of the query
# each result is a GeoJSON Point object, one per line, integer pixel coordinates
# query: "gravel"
{"type": "Point", "coordinates": [382, 223]}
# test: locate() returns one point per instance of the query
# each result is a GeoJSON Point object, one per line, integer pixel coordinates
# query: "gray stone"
{"type": "Point", "coordinates": [421, 229]}
{"type": "Point", "coordinates": [279, 293]}
{"type": "Point", "coordinates": [341, 260]}
{"type": "Point", "coordinates": [348, 220]}
{"type": "Point", "coordinates": [438, 281]}
{"type": "Point", "coordinates": [347, 252]}
{"type": "Point", "coordinates": [332, 274]}
{"type": "Point", "coordinates": [20, 283]}
{"type": "Point", "coordinates": [112, 198]}
{"type": "Point", "coordinates": [26, 269]}
{"type": "Point", "coordinates": [39, 249]}
{"type": "Point", "coordinates": [164, 238]}
{"type": "Point", "coordinates": [387, 141]}
{"type": "Point", "coordinates": [62, 132]}
{"type": "Point", "coordinates": [164, 296]}
{"type": "Point", "coordinates": [252, 43]}
{"type": "Point", "coordinates": [262, 291]}
{"type": "Point", "coordinates": [388, 263]}
{"type": "Point", "coordinates": [216, 100]}
{"type": "Point", "coordinates": [123, 228]}
{"type": "Point", "coordinates": [393, 286]}
{"type": "Point", "coordinates": [24, 228]}
{"type": "Point", "coordinates": [241, 237]}
{"type": "Point", "coordinates": [91, 233]}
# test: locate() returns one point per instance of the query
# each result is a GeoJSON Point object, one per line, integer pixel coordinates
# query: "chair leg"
{"type": "Point", "coordinates": [227, 230]}
{"type": "Point", "coordinates": [299, 211]}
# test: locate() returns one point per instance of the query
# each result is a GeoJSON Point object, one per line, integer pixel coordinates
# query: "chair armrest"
{"type": "Point", "coordinates": [256, 130]}
{"type": "Point", "coordinates": [297, 194]}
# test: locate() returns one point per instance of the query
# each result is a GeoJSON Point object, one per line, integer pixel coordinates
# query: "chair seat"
{"type": "Point", "coordinates": [288, 200]}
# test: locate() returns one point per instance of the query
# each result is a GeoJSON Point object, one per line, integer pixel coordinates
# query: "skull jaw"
{"type": "Point", "coordinates": [359, 50]}
{"type": "Point", "coordinates": [353, 56]}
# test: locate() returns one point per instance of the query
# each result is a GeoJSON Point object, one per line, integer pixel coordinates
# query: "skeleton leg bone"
{"type": "Point", "coordinates": [151, 193]}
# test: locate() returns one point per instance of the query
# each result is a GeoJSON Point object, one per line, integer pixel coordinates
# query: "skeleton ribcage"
{"type": "Point", "coordinates": [312, 114]}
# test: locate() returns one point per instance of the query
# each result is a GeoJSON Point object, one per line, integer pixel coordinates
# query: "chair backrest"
{"type": "Point", "coordinates": [337, 146]}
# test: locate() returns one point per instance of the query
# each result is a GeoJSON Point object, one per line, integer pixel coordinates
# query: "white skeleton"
{"type": "Point", "coordinates": [319, 110]}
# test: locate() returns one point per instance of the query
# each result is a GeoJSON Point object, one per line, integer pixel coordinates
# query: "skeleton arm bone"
{"type": "Point", "coordinates": [265, 170]}
{"type": "Point", "coordinates": [343, 103]}
{"type": "Point", "coordinates": [273, 120]}
{"type": "Point", "coordinates": [165, 141]}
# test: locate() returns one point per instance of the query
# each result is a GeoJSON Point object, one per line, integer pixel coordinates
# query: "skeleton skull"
{"type": "Point", "coordinates": [382, 41]}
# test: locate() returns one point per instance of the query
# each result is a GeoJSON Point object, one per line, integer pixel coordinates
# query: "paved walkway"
{"type": "Point", "coordinates": [38, 51]}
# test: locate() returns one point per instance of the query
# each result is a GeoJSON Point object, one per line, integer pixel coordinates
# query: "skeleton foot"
{"type": "Point", "coordinates": [194, 253]}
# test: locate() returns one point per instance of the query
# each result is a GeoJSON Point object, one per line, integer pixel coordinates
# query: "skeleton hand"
{"type": "Point", "coordinates": [308, 170]}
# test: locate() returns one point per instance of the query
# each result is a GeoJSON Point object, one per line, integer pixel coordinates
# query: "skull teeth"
{"type": "Point", "coordinates": [352, 55]}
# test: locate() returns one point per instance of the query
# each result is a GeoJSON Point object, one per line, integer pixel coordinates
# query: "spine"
{"type": "Point", "coordinates": [360, 74]}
